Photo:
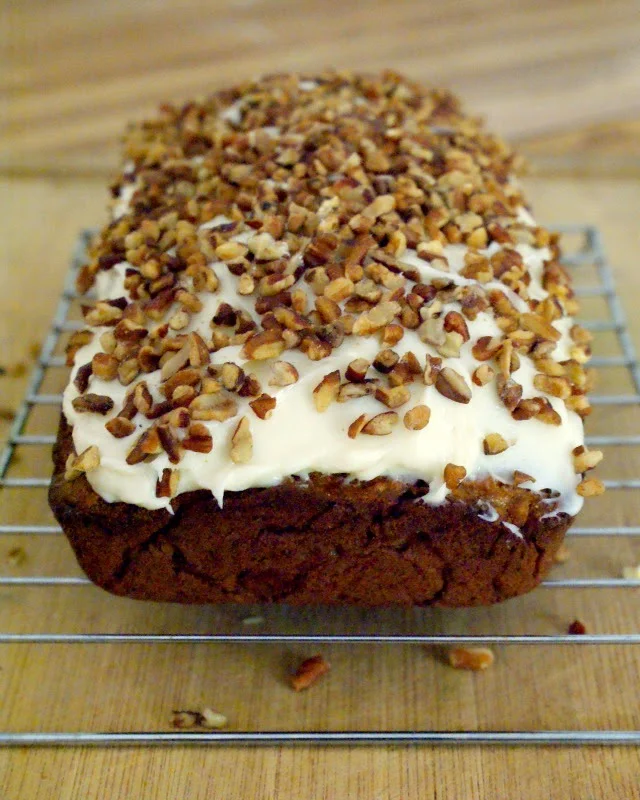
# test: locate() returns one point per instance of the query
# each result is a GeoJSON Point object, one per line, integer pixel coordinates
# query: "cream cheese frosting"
{"type": "Point", "coordinates": [297, 440]}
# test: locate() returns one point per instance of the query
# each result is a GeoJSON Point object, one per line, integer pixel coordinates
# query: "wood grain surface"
{"type": "Point", "coordinates": [75, 71]}
{"type": "Point", "coordinates": [105, 687]}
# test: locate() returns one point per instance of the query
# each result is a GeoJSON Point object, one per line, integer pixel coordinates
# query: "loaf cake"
{"type": "Point", "coordinates": [329, 357]}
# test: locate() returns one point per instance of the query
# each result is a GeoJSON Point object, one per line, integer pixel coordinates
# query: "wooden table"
{"type": "Point", "coordinates": [75, 72]}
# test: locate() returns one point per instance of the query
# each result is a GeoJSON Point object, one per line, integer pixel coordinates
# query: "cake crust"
{"type": "Point", "coordinates": [325, 541]}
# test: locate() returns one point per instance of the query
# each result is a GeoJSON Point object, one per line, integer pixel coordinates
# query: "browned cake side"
{"type": "Point", "coordinates": [329, 541]}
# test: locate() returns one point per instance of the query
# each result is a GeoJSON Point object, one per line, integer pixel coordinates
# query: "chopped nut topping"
{"type": "Point", "coordinates": [104, 366]}
{"type": "Point", "coordinates": [352, 391]}
{"type": "Point", "coordinates": [394, 396]}
{"type": "Point", "coordinates": [391, 334]}
{"type": "Point", "coordinates": [576, 628]}
{"type": "Point", "coordinates": [522, 477]}
{"type": "Point", "coordinates": [184, 719]}
{"type": "Point", "coordinates": [231, 376]}
{"type": "Point", "coordinates": [557, 387]}
{"type": "Point", "coordinates": [212, 719]}
{"type": "Point", "coordinates": [378, 317]}
{"type": "Point", "coordinates": [539, 326]}
{"type": "Point", "coordinates": [454, 475]}
{"type": "Point", "coordinates": [584, 460]}
{"type": "Point", "coordinates": [92, 403]}
{"type": "Point", "coordinates": [83, 374]}
{"type": "Point", "coordinates": [385, 361]}
{"type": "Point", "coordinates": [146, 448]}
{"type": "Point", "coordinates": [167, 484]}
{"type": "Point", "coordinates": [326, 391]}
{"type": "Point", "coordinates": [267, 344]}
{"type": "Point", "coordinates": [77, 340]}
{"type": "Point", "coordinates": [483, 375]}
{"type": "Point", "coordinates": [213, 407]}
{"type": "Point", "coordinates": [357, 370]}
{"type": "Point", "coordinates": [590, 487]}
{"type": "Point", "coordinates": [77, 465]}
{"type": "Point", "coordinates": [452, 385]}
{"type": "Point", "coordinates": [198, 439]}
{"type": "Point", "coordinates": [417, 418]}
{"type": "Point", "coordinates": [284, 374]}
{"type": "Point", "coordinates": [486, 347]}
{"type": "Point", "coordinates": [242, 443]}
{"type": "Point", "coordinates": [309, 672]}
{"type": "Point", "coordinates": [509, 392]}
{"type": "Point", "coordinates": [381, 424]}
{"type": "Point", "coordinates": [120, 427]}
{"type": "Point", "coordinates": [263, 406]}
{"type": "Point", "coordinates": [356, 426]}
{"type": "Point", "coordinates": [494, 443]}
{"type": "Point", "coordinates": [471, 658]}
{"type": "Point", "coordinates": [363, 173]}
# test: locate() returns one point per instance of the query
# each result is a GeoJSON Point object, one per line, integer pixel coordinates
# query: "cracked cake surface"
{"type": "Point", "coordinates": [325, 291]}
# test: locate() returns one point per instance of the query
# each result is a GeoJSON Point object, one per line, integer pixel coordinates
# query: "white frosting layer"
{"type": "Point", "coordinates": [297, 440]}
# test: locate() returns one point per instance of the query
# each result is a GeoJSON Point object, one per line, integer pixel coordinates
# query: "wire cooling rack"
{"type": "Point", "coordinates": [586, 257]}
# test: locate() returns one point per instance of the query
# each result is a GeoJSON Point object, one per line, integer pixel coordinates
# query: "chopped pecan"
{"type": "Point", "coordinates": [104, 366]}
{"type": "Point", "coordinates": [483, 375]}
{"type": "Point", "coordinates": [92, 403]}
{"type": "Point", "coordinates": [77, 340]}
{"type": "Point", "coordinates": [378, 317]}
{"type": "Point", "coordinates": [471, 658]}
{"type": "Point", "coordinates": [584, 460]}
{"type": "Point", "coordinates": [385, 361]}
{"type": "Point", "coordinates": [417, 418]}
{"type": "Point", "coordinates": [494, 443]}
{"type": "Point", "coordinates": [509, 392]}
{"type": "Point", "coordinates": [146, 448]}
{"type": "Point", "coordinates": [198, 439]}
{"type": "Point", "coordinates": [77, 465]}
{"type": "Point", "coordinates": [393, 397]}
{"type": "Point", "coordinates": [169, 442]}
{"type": "Point", "coordinates": [213, 407]}
{"type": "Point", "coordinates": [452, 385]}
{"type": "Point", "coordinates": [176, 361]}
{"type": "Point", "coordinates": [83, 373]}
{"type": "Point", "coordinates": [250, 387]}
{"type": "Point", "coordinates": [522, 477]}
{"type": "Point", "coordinates": [557, 387]}
{"type": "Point", "coordinates": [120, 427]}
{"type": "Point", "coordinates": [231, 376]}
{"type": "Point", "coordinates": [263, 406]}
{"type": "Point", "coordinates": [381, 424]}
{"type": "Point", "coordinates": [198, 350]}
{"type": "Point", "coordinates": [486, 347]}
{"type": "Point", "coordinates": [284, 374]}
{"type": "Point", "coordinates": [431, 370]}
{"type": "Point", "coordinates": [454, 474]}
{"type": "Point", "coordinates": [455, 322]}
{"type": "Point", "coordinates": [326, 391]}
{"type": "Point", "coordinates": [352, 391]}
{"type": "Point", "coordinates": [356, 426]}
{"type": "Point", "coordinates": [308, 672]}
{"type": "Point", "coordinates": [357, 370]}
{"type": "Point", "coordinates": [167, 484]}
{"type": "Point", "coordinates": [242, 442]}
{"type": "Point", "coordinates": [540, 326]}
{"type": "Point", "coordinates": [264, 345]}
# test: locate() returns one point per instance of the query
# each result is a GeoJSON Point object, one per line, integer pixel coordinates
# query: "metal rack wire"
{"type": "Point", "coordinates": [589, 252]}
